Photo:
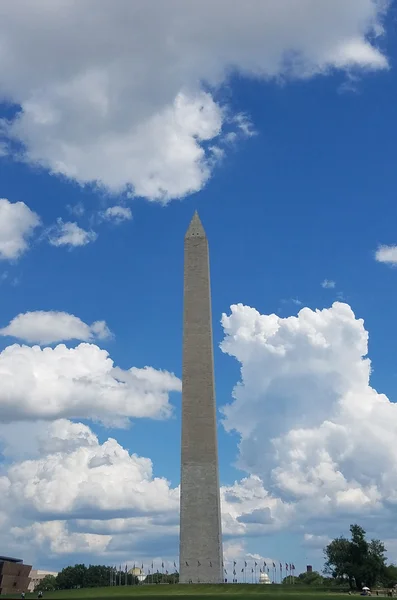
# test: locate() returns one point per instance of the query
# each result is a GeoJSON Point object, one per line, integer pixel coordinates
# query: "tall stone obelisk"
{"type": "Point", "coordinates": [200, 553]}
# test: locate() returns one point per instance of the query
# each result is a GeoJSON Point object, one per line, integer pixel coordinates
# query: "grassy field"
{"type": "Point", "coordinates": [211, 592]}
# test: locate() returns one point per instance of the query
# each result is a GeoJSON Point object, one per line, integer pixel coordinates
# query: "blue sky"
{"type": "Point", "coordinates": [296, 186]}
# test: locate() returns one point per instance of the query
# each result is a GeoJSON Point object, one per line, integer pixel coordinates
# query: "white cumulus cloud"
{"type": "Point", "coordinates": [80, 382]}
{"type": "Point", "coordinates": [47, 327]}
{"type": "Point", "coordinates": [118, 99]}
{"type": "Point", "coordinates": [70, 234]}
{"type": "Point", "coordinates": [310, 424]}
{"type": "Point", "coordinates": [17, 224]}
{"type": "Point", "coordinates": [77, 478]}
{"type": "Point", "coordinates": [386, 254]}
{"type": "Point", "coordinates": [118, 214]}
{"type": "Point", "coordinates": [79, 495]}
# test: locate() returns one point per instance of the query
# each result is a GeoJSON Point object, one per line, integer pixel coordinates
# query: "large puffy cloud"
{"type": "Point", "coordinates": [77, 495]}
{"type": "Point", "coordinates": [17, 224]}
{"type": "Point", "coordinates": [310, 424]}
{"type": "Point", "coordinates": [118, 98]}
{"type": "Point", "coordinates": [80, 497]}
{"type": "Point", "coordinates": [78, 477]}
{"type": "Point", "coordinates": [47, 327]}
{"type": "Point", "coordinates": [79, 382]}
{"type": "Point", "coordinates": [248, 509]}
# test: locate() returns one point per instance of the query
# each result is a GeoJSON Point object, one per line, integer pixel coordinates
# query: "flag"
{"type": "Point", "coordinates": [126, 568]}
{"type": "Point", "coordinates": [225, 571]}
{"type": "Point", "coordinates": [293, 567]}
{"type": "Point", "coordinates": [256, 564]}
{"type": "Point", "coordinates": [162, 565]}
{"type": "Point", "coordinates": [175, 565]}
{"type": "Point", "coordinates": [242, 570]}
{"type": "Point", "coordinates": [234, 571]}
{"type": "Point", "coordinates": [234, 563]}
{"type": "Point", "coordinates": [260, 570]}
{"type": "Point", "coordinates": [268, 569]}
{"type": "Point", "coordinates": [274, 565]}
{"type": "Point", "coordinates": [142, 567]}
{"type": "Point", "coordinates": [245, 564]}
{"type": "Point", "coordinates": [166, 572]}
{"type": "Point", "coordinates": [152, 566]}
{"type": "Point", "coordinates": [286, 566]}
{"type": "Point", "coordinates": [281, 567]}
{"type": "Point", "coordinates": [252, 570]}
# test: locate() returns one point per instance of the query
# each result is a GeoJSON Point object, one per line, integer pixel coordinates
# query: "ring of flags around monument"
{"type": "Point", "coordinates": [242, 572]}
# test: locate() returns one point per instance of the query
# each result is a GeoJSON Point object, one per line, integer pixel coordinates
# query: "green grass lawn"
{"type": "Point", "coordinates": [211, 592]}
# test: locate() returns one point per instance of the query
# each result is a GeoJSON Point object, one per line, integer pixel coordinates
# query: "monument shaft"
{"type": "Point", "coordinates": [200, 519]}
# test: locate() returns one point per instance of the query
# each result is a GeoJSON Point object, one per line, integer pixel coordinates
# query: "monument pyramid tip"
{"type": "Point", "coordinates": [195, 228]}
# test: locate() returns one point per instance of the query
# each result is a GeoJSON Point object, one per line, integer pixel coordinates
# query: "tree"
{"type": "Point", "coordinates": [356, 560]}
{"type": "Point", "coordinates": [312, 578]}
{"type": "Point", "coordinates": [47, 584]}
{"type": "Point", "coordinates": [97, 576]}
{"type": "Point", "coordinates": [72, 577]}
{"type": "Point", "coordinates": [81, 576]}
{"type": "Point", "coordinates": [162, 578]}
{"type": "Point", "coordinates": [390, 576]}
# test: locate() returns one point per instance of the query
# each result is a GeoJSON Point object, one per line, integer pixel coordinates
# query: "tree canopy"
{"type": "Point", "coordinates": [357, 560]}
{"type": "Point", "coordinates": [47, 584]}
{"type": "Point", "coordinates": [81, 576]}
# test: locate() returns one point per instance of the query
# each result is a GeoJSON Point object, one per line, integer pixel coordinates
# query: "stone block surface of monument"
{"type": "Point", "coordinates": [200, 519]}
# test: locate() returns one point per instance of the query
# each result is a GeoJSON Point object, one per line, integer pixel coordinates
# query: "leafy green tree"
{"type": "Point", "coordinates": [72, 577]}
{"type": "Point", "coordinates": [97, 576]}
{"type": "Point", "coordinates": [162, 578]}
{"type": "Point", "coordinates": [390, 576]}
{"type": "Point", "coordinates": [290, 579]}
{"type": "Point", "coordinates": [47, 584]}
{"type": "Point", "coordinates": [313, 578]}
{"type": "Point", "coordinates": [338, 560]}
{"type": "Point", "coordinates": [356, 560]}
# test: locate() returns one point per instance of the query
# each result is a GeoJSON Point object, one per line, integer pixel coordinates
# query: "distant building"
{"type": "Point", "coordinates": [309, 569]}
{"type": "Point", "coordinates": [14, 576]}
{"type": "Point", "coordinates": [36, 575]}
{"type": "Point", "coordinates": [137, 572]}
{"type": "Point", "coordinates": [264, 578]}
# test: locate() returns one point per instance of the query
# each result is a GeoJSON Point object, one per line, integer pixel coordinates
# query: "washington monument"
{"type": "Point", "coordinates": [200, 552]}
